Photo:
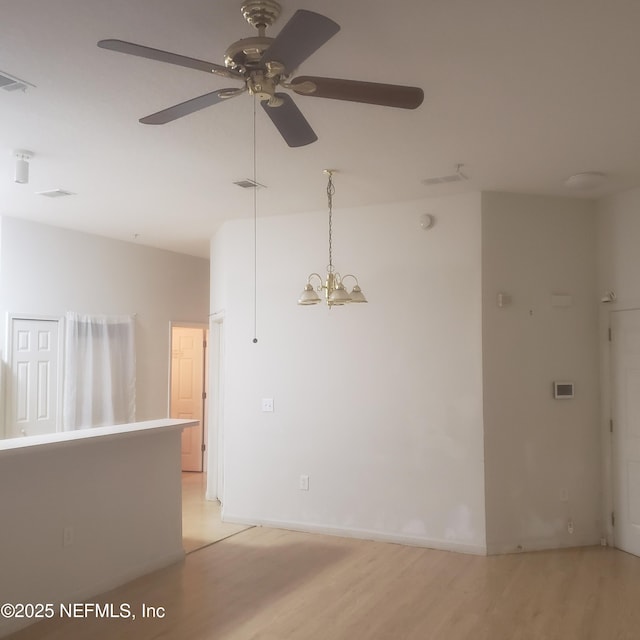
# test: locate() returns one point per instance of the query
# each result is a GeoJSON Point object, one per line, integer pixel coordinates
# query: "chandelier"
{"type": "Point", "coordinates": [333, 287]}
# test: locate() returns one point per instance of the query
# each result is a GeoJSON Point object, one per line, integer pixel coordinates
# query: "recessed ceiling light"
{"type": "Point", "coordinates": [585, 181]}
{"type": "Point", "coordinates": [56, 193]}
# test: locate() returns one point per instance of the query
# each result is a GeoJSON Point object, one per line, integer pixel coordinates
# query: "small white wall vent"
{"type": "Point", "coordinates": [56, 193]}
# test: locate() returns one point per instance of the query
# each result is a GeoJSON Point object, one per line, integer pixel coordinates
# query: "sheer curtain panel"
{"type": "Point", "coordinates": [100, 371]}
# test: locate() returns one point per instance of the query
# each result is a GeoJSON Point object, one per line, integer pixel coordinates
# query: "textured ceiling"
{"type": "Point", "coordinates": [523, 93]}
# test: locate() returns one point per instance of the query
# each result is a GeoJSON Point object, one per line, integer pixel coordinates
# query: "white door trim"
{"type": "Point", "coordinates": [617, 535]}
{"type": "Point", "coordinates": [215, 477]}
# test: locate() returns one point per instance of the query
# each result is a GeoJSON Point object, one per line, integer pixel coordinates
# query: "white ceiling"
{"type": "Point", "coordinates": [523, 92]}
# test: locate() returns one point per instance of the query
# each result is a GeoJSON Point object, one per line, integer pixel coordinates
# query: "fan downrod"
{"type": "Point", "coordinates": [261, 13]}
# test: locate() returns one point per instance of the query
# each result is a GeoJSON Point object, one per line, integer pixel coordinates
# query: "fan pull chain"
{"type": "Point", "coordinates": [255, 231]}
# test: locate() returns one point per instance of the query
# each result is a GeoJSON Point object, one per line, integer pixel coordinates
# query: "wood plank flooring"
{"type": "Point", "coordinates": [201, 523]}
{"type": "Point", "coordinates": [267, 584]}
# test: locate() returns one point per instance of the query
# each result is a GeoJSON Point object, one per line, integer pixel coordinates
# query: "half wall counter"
{"type": "Point", "coordinates": [82, 512]}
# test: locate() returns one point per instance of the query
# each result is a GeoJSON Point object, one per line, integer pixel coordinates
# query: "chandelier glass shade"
{"type": "Point", "coordinates": [332, 287]}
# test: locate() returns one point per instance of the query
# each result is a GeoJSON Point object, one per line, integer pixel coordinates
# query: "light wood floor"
{"type": "Point", "coordinates": [274, 585]}
{"type": "Point", "coordinates": [201, 523]}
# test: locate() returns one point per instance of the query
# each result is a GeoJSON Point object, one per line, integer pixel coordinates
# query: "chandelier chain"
{"type": "Point", "coordinates": [330, 193]}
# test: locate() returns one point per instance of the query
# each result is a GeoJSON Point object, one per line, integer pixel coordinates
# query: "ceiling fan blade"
{"type": "Point", "coordinates": [191, 106]}
{"type": "Point", "coordinates": [290, 122]}
{"type": "Point", "coordinates": [305, 33]}
{"type": "Point", "coordinates": [388, 95]}
{"type": "Point", "coordinates": [166, 56]}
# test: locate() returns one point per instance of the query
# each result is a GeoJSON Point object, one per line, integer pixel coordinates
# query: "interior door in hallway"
{"type": "Point", "coordinates": [625, 405]}
{"type": "Point", "coordinates": [33, 390]}
{"type": "Point", "coordinates": [187, 390]}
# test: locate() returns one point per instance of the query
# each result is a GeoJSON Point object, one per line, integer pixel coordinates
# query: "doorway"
{"type": "Point", "coordinates": [188, 397]}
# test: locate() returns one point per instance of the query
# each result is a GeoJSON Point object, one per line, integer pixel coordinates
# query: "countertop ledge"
{"type": "Point", "coordinates": [79, 435]}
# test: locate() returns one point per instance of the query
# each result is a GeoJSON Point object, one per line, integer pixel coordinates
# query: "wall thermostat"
{"type": "Point", "coordinates": [562, 390]}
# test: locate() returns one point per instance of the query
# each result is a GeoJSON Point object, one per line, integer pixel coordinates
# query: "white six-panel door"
{"type": "Point", "coordinates": [33, 381]}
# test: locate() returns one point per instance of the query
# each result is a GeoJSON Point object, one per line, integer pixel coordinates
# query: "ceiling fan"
{"type": "Point", "coordinates": [264, 64]}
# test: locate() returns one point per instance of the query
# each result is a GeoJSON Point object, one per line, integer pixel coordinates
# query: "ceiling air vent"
{"type": "Point", "coordinates": [56, 193]}
{"type": "Point", "coordinates": [11, 83]}
{"type": "Point", "coordinates": [458, 176]}
{"type": "Point", "coordinates": [249, 184]}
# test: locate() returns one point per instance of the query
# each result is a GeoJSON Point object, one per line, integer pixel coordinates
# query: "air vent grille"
{"type": "Point", "coordinates": [454, 177]}
{"type": "Point", "coordinates": [56, 193]}
{"type": "Point", "coordinates": [250, 184]}
{"type": "Point", "coordinates": [11, 83]}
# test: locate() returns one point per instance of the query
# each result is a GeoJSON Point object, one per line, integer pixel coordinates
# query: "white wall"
{"type": "Point", "coordinates": [618, 269]}
{"type": "Point", "coordinates": [47, 270]}
{"type": "Point", "coordinates": [380, 404]}
{"type": "Point", "coordinates": [535, 446]}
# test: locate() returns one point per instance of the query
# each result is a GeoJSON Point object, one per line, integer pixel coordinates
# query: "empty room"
{"type": "Point", "coordinates": [362, 277]}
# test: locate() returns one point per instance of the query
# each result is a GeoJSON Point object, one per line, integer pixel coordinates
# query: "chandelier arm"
{"type": "Point", "coordinates": [317, 275]}
{"type": "Point", "coordinates": [349, 275]}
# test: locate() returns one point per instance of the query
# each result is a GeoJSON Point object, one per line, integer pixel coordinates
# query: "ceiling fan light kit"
{"type": "Point", "coordinates": [264, 65]}
{"type": "Point", "coordinates": [333, 286]}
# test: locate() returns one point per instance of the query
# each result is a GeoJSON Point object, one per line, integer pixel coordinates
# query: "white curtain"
{"type": "Point", "coordinates": [100, 371]}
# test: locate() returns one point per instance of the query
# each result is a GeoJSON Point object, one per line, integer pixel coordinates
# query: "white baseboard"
{"type": "Point", "coordinates": [541, 544]}
{"type": "Point", "coordinates": [363, 534]}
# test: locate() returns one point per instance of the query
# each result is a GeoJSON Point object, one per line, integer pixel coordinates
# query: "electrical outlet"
{"type": "Point", "coordinates": [304, 483]}
{"type": "Point", "coordinates": [67, 536]}
{"type": "Point", "coordinates": [570, 525]}
{"type": "Point", "coordinates": [267, 404]}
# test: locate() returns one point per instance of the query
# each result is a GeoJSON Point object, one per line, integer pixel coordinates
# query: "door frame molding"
{"type": "Point", "coordinates": [215, 478]}
{"type": "Point", "coordinates": [607, 393]}
{"type": "Point", "coordinates": [5, 387]}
